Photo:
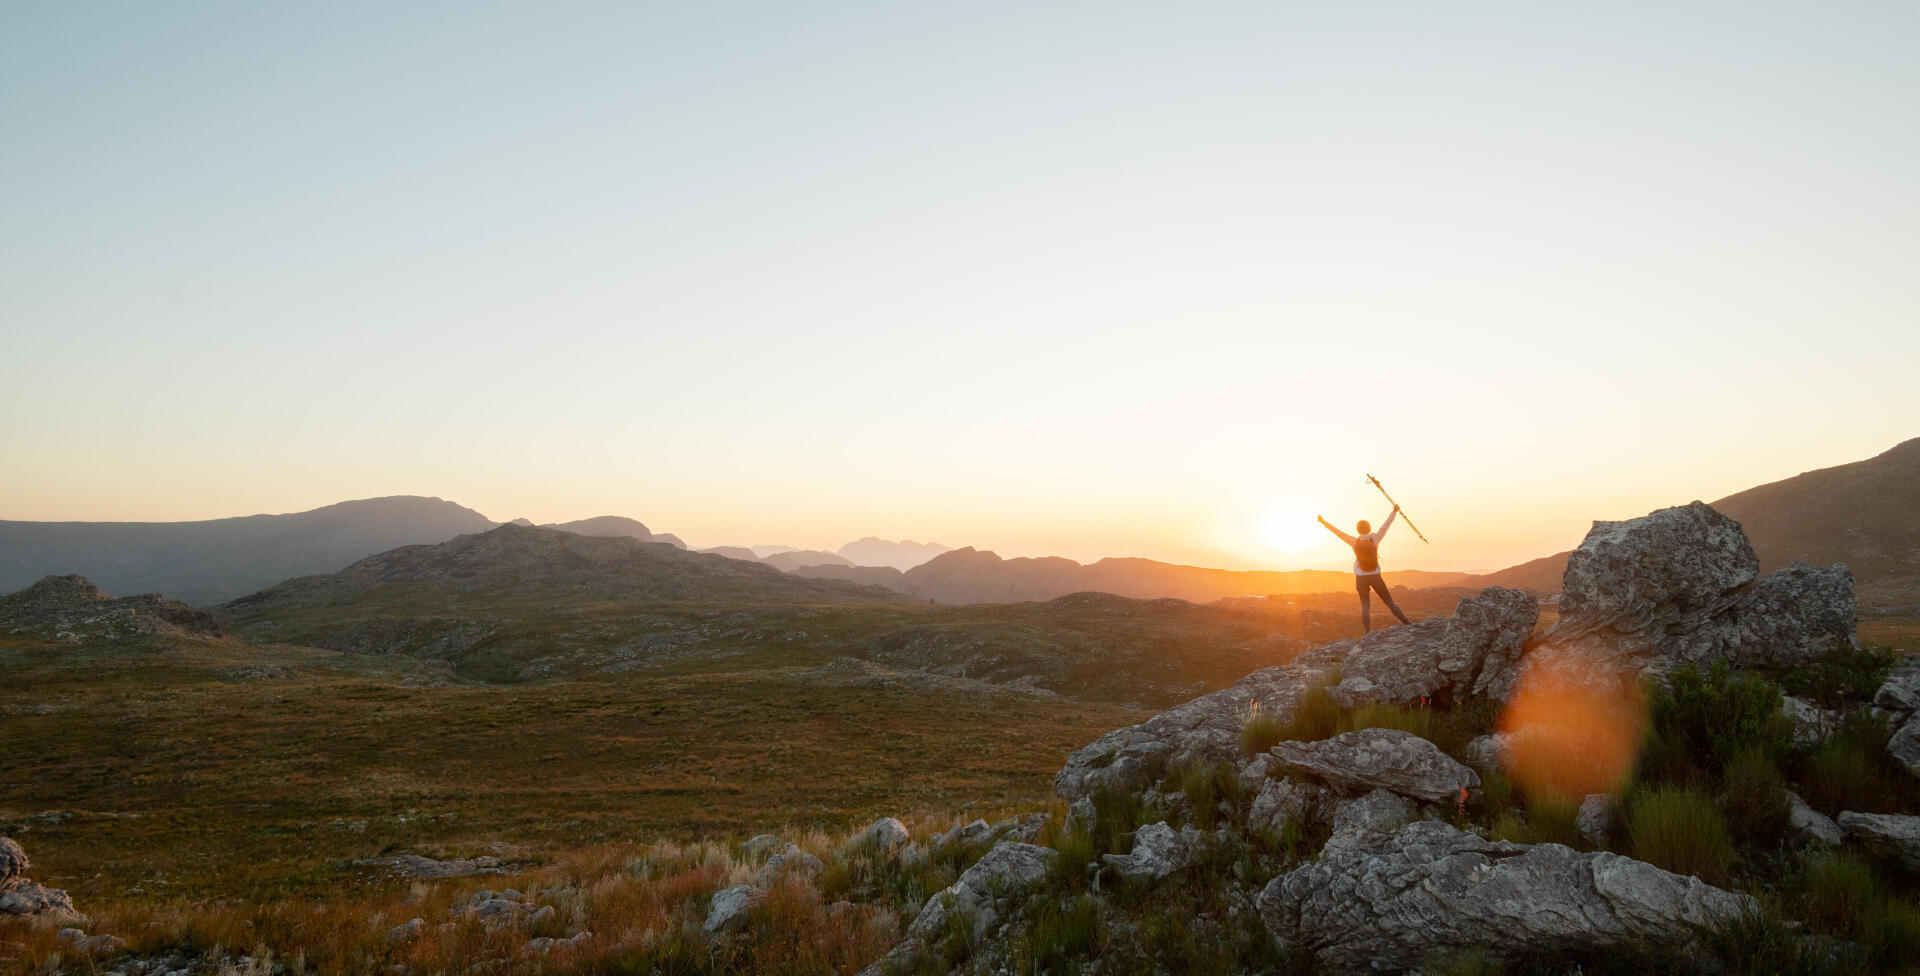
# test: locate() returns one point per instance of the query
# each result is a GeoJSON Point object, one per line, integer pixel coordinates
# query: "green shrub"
{"type": "Point", "coordinates": [1699, 720]}
{"type": "Point", "coordinates": [1316, 717]}
{"type": "Point", "coordinates": [1755, 796]}
{"type": "Point", "coordinates": [1259, 732]}
{"type": "Point", "coordinates": [1850, 770]}
{"type": "Point", "coordinates": [1680, 830]}
{"type": "Point", "coordinates": [1841, 676]}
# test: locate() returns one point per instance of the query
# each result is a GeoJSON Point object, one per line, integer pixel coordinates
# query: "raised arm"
{"type": "Point", "coordinates": [1349, 540]}
{"type": "Point", "coordinates": [1381, 532]}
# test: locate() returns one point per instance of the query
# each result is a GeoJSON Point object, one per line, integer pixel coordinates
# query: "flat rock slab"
{"type": "Point", "coordinates": [1389, 759]}
{"type": "Point", "coordinates": [1887, 834]}
{"type": "Point", "coordinates": [1432, 887]}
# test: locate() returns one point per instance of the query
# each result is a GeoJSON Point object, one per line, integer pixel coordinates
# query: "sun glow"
{"type": "Point", "coordinates": [1287, 529]}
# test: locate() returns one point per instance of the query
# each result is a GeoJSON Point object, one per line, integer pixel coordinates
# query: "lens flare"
{"type": "Point", "coordinates": [1572, 732]}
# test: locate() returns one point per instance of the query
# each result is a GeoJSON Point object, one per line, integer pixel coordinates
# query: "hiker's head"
{"type": "Point", "coordinates": [1364, 526]}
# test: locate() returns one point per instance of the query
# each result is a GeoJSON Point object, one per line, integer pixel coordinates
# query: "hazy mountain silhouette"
{"type": "Point", "coordinates": [1865, 514]}
{"type": "Point", "coordinates": [802, 558]}
{"type": "Point", "coordinates": [512, 560]}
{"type": "Point", "coordinates": [741, 553]}
{"type": "Point", "coordinates": [972, 576]}
{"type": "Point", "coordinates": [902, 555]}
{"type": "Point", "coordinates": [620, 525]}
{"type": "Point", "coordinates": [210, 561]}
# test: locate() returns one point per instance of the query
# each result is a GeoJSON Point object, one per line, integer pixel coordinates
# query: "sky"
{"type": "Point", "coordinates": [1080, 279]}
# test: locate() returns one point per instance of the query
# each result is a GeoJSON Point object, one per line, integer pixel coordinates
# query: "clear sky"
{"type": "Point", "coordinates": [1086, 279]}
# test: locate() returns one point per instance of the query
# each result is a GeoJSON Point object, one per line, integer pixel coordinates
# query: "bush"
{"type": "Point", "coordinates": [1060, 936]}
{"type": "Point", "coordinates": [1680, 830]}
{"type": "Point", "coordinates": [1755, 796]}
{"type": "Point", "coordinates": [1841, 676]}
{"type": "Point", "coordinates": [1316, 717]}
{"type": "Point", "coordinates": [1259, 732]}
{"type": "Point", "coordinates": [1701, 719]}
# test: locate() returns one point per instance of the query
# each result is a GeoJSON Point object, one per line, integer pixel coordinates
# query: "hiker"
{"type": "Point", "coordinates": [1366, 566]}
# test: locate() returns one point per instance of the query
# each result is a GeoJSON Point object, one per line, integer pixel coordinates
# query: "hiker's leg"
{"type": "Point", "coordinates": [1380, 583]}
{"type": "Point", "coordinates": [1366, 605]}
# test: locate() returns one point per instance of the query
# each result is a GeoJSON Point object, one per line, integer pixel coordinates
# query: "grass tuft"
{"type": "Point", "coordinates": [1682, 831]}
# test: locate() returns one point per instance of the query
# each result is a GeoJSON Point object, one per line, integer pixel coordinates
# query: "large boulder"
{"type": "Point", "coordinates": [1442, 659]}
{"type": "Point", "coordinates": [1369, 759]}
{"type": "Point", "coordinates": [1430, 888]}
{"type": "Point", "coordinates": [1683, 585]}
{"type": "Point", "coordinates": [1890, 835]}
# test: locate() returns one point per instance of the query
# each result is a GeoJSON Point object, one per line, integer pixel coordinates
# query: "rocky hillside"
{"type": "Point", "coordinates": [70, 609]}
{"type": "Point", "coordinates": [1865, 514]}
{"type": "Point", "coordinates": [212, 561]}
{"type": "Point", "coordinates": [515, 559]}
{"type": "Point", "coordinates": [969, 575]}
{"type": "Point", "coordinates": [1324, 816]}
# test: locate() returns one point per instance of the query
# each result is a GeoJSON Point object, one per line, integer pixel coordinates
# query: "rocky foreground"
{"type": "Point", "coordinates": [1226, 821]}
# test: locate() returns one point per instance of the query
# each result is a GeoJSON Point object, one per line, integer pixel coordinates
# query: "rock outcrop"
{"type": "Point", "coordinates": [980, 896]}
{"type": "Point", "coordinates": [20, 896]}
{"type": "Point", "coordinates": [1431, 887]}
{"type": "Point", "coordinates": [1682, 585]}
{"type": "Point", "coordinates": [1441, 660]}
{"type": "Point", "coordinates": [1389, 759]}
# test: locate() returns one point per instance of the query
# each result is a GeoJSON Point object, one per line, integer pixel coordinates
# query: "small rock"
{"type": "Point", "coordinates": [1157, 852]}
{"type": "Point", "coordinates": [886, 835]}
{"type": "Point", "coordinates": [1595, 819]}
{"type": "Point", "coordinates": [792, 861]}
{"type": "Point", "coordinates": [13, 863]}
{"type": "Point", "coordinates": [1810, 825]}
{"type": "Point", "coordinates": [760, 846]}
{"type": "Point", "coordinates": [729, 908]}
{"type": "Point", "coordinates": [1887, 834]}
{"type": "Point", "coordinates": [91, 945]}
{"type": "Point", "coordinates": [407, 932]}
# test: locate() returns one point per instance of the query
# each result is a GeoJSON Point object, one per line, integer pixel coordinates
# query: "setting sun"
{"type": "Point", "coordinates": [1287, 529]}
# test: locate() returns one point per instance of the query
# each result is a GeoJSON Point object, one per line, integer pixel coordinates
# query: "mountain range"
{"type": "Point", "coordinates": [972, 576]}
{"type": "Point", "coordinates": [517, 560]}
{"type": "Point", "coordinates": [1865, 514]}
{"type": "Point", "coordinates": [212, 561]}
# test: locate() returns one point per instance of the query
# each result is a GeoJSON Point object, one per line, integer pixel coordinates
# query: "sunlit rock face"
{"type": "Point", "coordinates": [1429, 887]}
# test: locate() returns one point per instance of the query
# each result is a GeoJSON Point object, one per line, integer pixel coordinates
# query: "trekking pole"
{"type": "Point", "coordinates": [1403, 515]}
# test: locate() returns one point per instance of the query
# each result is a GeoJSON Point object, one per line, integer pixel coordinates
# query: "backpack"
{"type": "Point", "coordinates": [1367, 552]}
